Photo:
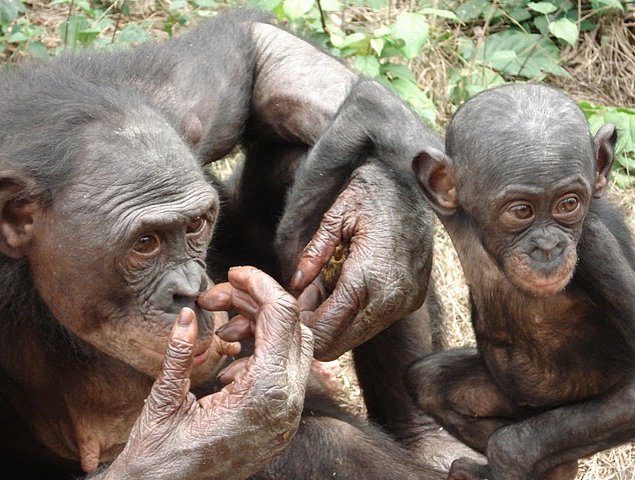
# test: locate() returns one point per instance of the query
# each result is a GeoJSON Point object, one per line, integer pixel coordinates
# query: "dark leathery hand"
{"type": "Point", "coordinates": [230, 434]}
{"type": "Point", "coordinates": [385, 275]}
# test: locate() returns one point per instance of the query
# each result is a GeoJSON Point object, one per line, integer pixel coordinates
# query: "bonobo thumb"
{"type": "Point", "coordinates": [171, 387]}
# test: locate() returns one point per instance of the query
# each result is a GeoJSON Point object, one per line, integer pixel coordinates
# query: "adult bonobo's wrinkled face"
{"type": "Point", "coordinates": [522, 168]}
{"type": "Point", "coordinates": [121, 250]}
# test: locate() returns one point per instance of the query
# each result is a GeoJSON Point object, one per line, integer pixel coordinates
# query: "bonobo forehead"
{"type": "Point", "coordinates": [136, 170]}
{"type": "Point", "coordinates": [520, 134]}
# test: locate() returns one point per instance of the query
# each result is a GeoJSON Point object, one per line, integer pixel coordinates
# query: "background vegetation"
{"type": "Point", "coordinates": [434, 53]}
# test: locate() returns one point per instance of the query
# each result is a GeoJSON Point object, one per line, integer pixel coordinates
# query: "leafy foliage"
{"type": "Point", "coordinates": [491, 41]}
{"type": "Point", "coordinates": [624, 120]}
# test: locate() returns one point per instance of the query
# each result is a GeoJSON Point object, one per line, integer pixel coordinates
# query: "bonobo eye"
{"type": "Point", "coordinates": [147, 244]}
{"type": "Point", "coordinates": [196, 225]}
{"type": "Point", "coordinates": [567, 206]}
{"type": "Point", "coordinates": [521, 211]}
{"type": "Point", "coordinates": [518, 215]}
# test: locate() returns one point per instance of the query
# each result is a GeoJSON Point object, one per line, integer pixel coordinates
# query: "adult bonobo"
{"type": "Point", "coordinates": [550, 267]}
{"type": "Point", "coordinates": [105, 219]}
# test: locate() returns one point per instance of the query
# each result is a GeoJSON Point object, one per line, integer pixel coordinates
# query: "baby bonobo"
{"type": "Point", "coordinates": [550, 266]}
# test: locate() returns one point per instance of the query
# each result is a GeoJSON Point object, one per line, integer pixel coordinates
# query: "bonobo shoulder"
{"type": "Point", "coordinates": [603, 210]}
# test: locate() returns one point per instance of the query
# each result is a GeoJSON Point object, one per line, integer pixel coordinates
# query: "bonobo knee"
{"type": "Point", "coordinates": [423, 381]}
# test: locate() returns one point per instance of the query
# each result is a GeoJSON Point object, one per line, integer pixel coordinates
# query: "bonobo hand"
{"type": "Point", "coordinates": [233, 433]}
{"type": "Point", "coordinates": [384, 218]}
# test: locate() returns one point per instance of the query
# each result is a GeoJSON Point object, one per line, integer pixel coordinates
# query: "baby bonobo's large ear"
{"type": "Point", "coordinates": [605, 141]}
{"type": "Point", "coordinates": [435, 172]}
{"type": "Point", "coordinates": [17, 208]}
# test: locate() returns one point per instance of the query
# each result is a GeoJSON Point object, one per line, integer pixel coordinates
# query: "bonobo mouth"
{"type": "Point", "coordinates": [520, 270]}
{"type": "Point", "coordinates": [539, 285]}
{"type": "Point", "coordinates": [160, 324]}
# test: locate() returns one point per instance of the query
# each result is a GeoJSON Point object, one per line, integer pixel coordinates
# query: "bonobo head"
{"type": "Point", "coordinates": [521, 168]}
{"type": "Point", "coordinates": [102, 198]}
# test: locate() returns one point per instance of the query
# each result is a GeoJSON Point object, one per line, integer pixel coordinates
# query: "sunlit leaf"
{"type": "Point", "coordinates": [367, 65]}
{"type": "Point", "coordinates": [542, 7]}
{"type": "Point", "coordinates": [439, 13]}
{"type": "Point", "coordinates": [412, 28]}
{"type": "Point", "coordinates": [566, 30]}
{"type": "Point", "coordinates": [296, 8]}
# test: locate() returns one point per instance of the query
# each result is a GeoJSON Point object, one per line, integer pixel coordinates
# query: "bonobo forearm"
{"type": "Point", "coordinates": [297, 88]}
{"type": "Point", "coordinates": [604, 263]}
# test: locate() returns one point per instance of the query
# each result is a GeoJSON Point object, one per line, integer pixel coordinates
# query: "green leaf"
{"type": "Point", "coordinates": [267, 5]}
{"type": "Point", "coordinates": [69, 30]}
{"type": "Point", "coordinates": [439, 13]}
{"type": "Point", "coordinates": [465, 84]}
{"type": "Point", "coordinates": [331, 5]}
{"type": "Point", "coordinates": [472, 9]}
{"type": "Point", "coordinates": [206, 3]}
{"type": "Point", "coordinates": [377, 44]}
{"type": "Point", "coordinates": [622, 180]}
{"type": "Point", "coordinates": [177, 5]}
{"type": "Point", "coordinates": [296, 8]}
{"type": "Point", "coordinates": [500, 59]}
{"type": "Point", "coordinates": [542, 7]}
{"type": "Point", "coordinates": [367, 65]}
{"type": "Point", "coordinates": [382, 31]}
{"type": "Point", "coordinates": [132, 33]}
{"type": "Point", "coordinates": [9, 10]}
{"type": "Point", "coordinates": [418, 100]}
{"type": "Point", "coordinates": [519, 14]}
{"type": "Point", "coordinates": [376, 4]}
{"type": "Point", "coordinates": [37, 50]}
{"type": "Point", "coordinates": [566, 30]}
{"type": "Point", "coordinates": [599, 4]}
{"type": "Point", "coordinates": [535, 55]}
{"type": "Point", "coordinates": [398, 70]}
{"type": "Point", "coordinates": [17, 36]}
{"type": "Point", "coordinates": [412, 28]}
{"type": "Point", "coordinates": [354, 38]}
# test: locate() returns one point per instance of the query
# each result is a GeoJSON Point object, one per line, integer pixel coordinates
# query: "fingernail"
{"type": "Point", "coordinates": [221, 373]}
{"type": "Point", "coordinates": [297, 278]}
{"type": "Point", "coordinates": [186, 317]}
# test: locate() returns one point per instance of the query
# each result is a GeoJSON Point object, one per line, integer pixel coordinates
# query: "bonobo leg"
{"type": "Point", "coordinates": [332, 444]}
{"type": "Point", "coordinates": [520, 443]}
{"type": "Point", "coordinates": [381, 365]}
{"type": "Point", "coordinates": [456, 389]}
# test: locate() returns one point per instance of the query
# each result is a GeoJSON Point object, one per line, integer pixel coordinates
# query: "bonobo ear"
{"type": "Point", "coordinates": [605, 141]}
{"type": "Point", "coordinates": [17, 208]}
{"type": "Point", "coordinates": [435, 172]}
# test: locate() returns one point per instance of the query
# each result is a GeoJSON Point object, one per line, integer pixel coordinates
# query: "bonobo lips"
{"type": "Point", "coordinates": [201, 352]}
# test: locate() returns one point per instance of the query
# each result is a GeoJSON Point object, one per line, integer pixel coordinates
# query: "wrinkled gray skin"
{"type": "Point", "coordinates": [551, 270]}
{"type": "Point", "coordinates": [105, 220]}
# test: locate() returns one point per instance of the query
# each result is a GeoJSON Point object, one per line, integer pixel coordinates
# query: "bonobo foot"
{"type": "Point", "coordinates": [466, 468]}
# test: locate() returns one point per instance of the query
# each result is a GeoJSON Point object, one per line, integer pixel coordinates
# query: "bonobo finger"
{"type": "Point", "coordinates": [228, 374]}
{"type": "Point", "coordinates": [278, 316]}
{"type": "Point", "coordinates": [320, 249]}
{"type": "Point", "coordinates": [256, 284]}
{"type": "Point", "coordinates": [225, 297]}
{"type": "Point", "coordinates": [311, 298]}
{"type": "Point", "coordinates": [237, 329]}
{"type": "Point", "coordinates": [300, 358]}
{"type": "Point", "coordinates": [331, 322]}
{"type": "Point", "coordinates": [172, 385]}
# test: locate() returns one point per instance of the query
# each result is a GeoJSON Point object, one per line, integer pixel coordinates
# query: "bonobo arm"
{"type": "Point", "coordinates": [297, 88]}
{"type": "Point", "coordinates": [608, 265]}
{"type": "Point", "coordinates": [235, 432]}
{"type": "Point", "coordinates": [380, 212]}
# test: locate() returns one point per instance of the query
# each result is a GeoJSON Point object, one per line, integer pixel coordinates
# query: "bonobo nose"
{"type": "Point", "coordinates": [546, 250]}
{"type": "Point", "coordinates": [180, 287]}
